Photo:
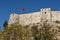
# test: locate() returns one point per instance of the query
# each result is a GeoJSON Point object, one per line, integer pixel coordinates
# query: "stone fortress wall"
{"type": "Point", "coordinates": [35, 17]}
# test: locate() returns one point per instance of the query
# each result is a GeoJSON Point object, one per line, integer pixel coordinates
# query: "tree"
{"type": "Point", "coordinates": [5, 24]}
{"type": "Point", "coordinates": [47, 32]}
{"type": "Point", "coordinates": [27, 33]}
{"type": "Point", "coordinates": [34, 31]}
{"type": "Point", "coordinates": [16, 32]}
{"type": "Point", "coordinates": [0, 28]}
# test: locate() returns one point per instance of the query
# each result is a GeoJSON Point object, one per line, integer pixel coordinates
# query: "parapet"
{"type": "Point", "coordinates": [45, 9]}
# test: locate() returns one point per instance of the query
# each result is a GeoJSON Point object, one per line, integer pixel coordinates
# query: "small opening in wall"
{"type": "Point", "coordinates": [57, 21]}
{"type": "Point", "coordinates": [45, 12]}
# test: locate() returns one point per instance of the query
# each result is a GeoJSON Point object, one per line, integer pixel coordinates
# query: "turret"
{"type": "Point", "coordinates": [46, 14]}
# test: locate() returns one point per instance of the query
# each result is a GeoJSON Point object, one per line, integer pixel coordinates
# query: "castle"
{"type": "Point", "coordinates": [35, 17]}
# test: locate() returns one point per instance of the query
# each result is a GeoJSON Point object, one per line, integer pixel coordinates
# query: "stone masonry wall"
{"type": "Point", "coordinates": [35, 17]}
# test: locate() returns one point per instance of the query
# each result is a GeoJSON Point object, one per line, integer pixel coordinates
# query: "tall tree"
{"type": "Point", "coordinates": [34, 31]}
{"type": "Point", "coordinates": [0, 28]}
{"type": "Point", "coordinates": [5, 24]}
{"type": "Point", "coordinates": [27, 33]}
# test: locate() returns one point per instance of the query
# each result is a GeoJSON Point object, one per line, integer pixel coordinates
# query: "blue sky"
{"type": "Point", "coordinates": [13, 6]}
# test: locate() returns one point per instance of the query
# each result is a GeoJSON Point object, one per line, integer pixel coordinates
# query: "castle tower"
{"type": "Point", "coordinates": [46, 14]}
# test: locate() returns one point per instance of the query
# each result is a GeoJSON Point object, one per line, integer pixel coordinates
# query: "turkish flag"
{"type": "Point", "coordinates": [22, 9]}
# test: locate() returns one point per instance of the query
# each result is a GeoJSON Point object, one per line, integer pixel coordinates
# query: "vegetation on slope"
{"type": "Point", "coordinates": [18, 32]}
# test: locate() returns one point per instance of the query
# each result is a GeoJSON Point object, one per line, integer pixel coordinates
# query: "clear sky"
{"type": "Point", "coordinates": [13, 6]}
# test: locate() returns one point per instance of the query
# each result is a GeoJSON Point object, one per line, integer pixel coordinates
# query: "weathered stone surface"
{"type": "Point", "coordinates": [35, 17]}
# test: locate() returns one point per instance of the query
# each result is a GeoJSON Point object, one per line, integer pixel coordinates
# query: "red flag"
{"type": "Point", "coordinates": [22, 9]}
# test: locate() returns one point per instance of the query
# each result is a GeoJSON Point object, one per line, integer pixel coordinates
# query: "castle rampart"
{"type": "Point", "coordinates": [35, 17]}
